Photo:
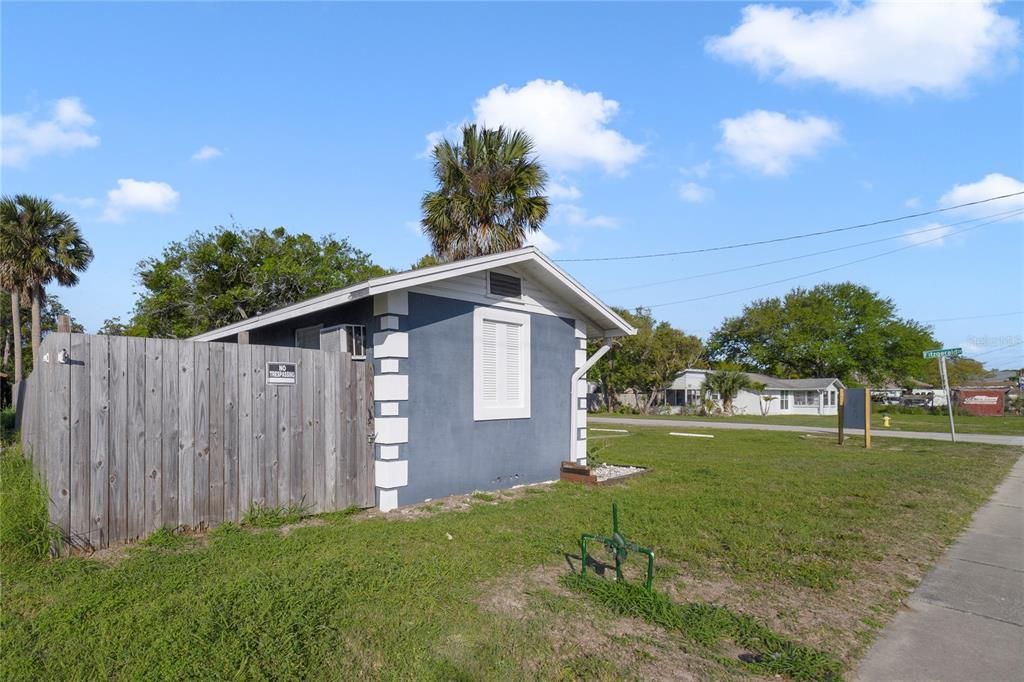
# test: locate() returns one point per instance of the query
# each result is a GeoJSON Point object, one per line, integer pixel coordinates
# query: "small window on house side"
{"type": "Point", "coordinates": [783, 400]}
{"type": "Point", "coordinates": [355, 340]}
{"type": "Point", "coordinates": [501, 364]}
{"type": "Point", "coordinates": [308, 337]}
{"type": "Point", "coordinates": [504, 286]}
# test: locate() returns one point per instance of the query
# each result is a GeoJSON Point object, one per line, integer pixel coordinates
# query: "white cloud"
{"type": "Point", "coordinates": [694, 193]}
{"type": "Point", "coordinates": [543, 241]}
{"type": "Point", "coordinates": [930, 235]}
{"type": "Point", "coordinates": [24, 136]}
{"type": "Point", "coordinates": [913, 203]}
{"type": "Point", "coordinates": [569, 127]}
{"type": "Point", "coordinates": [576, 216]}
{"type": "Point", "coordinates": [992, 185]}
{"type": "Point", "coordinates": [80, 202]}
{"type": "Point", "coordinates": [139, 195]}
{"type": "Point", "coordinates": [207, 153]}
{"type": "Point", "coordinates": [697, 170]}
{"type": "Point", "coordinates": [769, 142]}
{"type": "Point", "coordinates": [560, 192]}
{"type": "Point", "coordinates": [883, 48]}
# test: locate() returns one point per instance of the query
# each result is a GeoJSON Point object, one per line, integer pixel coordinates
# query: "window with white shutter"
{"type": "Point", "coordinates": [501, 364]}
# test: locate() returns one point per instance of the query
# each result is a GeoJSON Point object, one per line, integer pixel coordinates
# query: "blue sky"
{"type": "Point", "coordinates": [664, 127]}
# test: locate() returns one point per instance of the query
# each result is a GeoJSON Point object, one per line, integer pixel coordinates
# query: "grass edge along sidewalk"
{"type": "Point", "coordinates": [816, 542]}
{"type": "Point", "coordinates": [1012, 425]}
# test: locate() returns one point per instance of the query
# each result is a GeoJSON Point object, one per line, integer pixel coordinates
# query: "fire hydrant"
{"type": "Point", "coordinates": [885, 421]}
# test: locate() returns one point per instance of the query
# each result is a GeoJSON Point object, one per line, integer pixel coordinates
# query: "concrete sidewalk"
{"type": "Point", "coordinates": [965, 621]}
{"type": "Point", "coordinates": [994, 439]}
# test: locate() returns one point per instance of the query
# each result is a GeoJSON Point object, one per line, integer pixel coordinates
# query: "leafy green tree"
{"type": "Point", "coordinates": [426, 261]}
{"type": "Point", "coordinates": [727, 384]}
{"type": "Point", "coordinates": [647, 362]}
{"type": "Point", "coordinates": [231, 274]}
{"type": "Point", "coordinates": [960, 371]}
{"type": "Point", "coordinates": [489, 195]}
{"type": "Point", "coordinates": [39, 245]}
{"type": "Point", "coordinates": [49, 315]}
{"type": "Point", "coordinates": [832, 330]}
{"type": "Point", "coordinates": [113, 326]}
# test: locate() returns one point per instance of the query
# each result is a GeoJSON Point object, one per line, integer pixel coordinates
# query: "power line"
{"type": "Point", "coordinates": [1014, 212]}
{"type": "Point", "coordinates": [828, 269]}
{"type": "Point", "coordinates": [791, 237]}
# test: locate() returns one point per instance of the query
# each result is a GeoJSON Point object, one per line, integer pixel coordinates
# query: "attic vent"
{"type": "Point", "coordinates": [505, 286]}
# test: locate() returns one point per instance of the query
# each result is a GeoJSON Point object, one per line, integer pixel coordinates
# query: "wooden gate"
{"type": "Point", "coordinates": [134, 434]}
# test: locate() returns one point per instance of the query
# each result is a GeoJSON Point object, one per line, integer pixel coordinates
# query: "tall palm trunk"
{"type": "Point", "coordinates": [16, 323]}
{"type": "Point", "coordinates": [37, 321]}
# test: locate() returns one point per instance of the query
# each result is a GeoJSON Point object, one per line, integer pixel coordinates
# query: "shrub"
{"type": "Point", "coordinates": [25, 528]}
{"type": "Point", "coordinates": [7, 433]}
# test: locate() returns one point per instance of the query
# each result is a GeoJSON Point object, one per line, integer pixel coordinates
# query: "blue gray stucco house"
{"type": "Point", "coordinates": [478, 368]}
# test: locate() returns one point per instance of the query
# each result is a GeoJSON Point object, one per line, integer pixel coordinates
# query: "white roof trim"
{"type": "Point", "coordinates": [588, 302]}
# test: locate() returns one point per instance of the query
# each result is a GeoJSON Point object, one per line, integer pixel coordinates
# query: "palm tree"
{"type": "Point", "coordinates": [10, 281]}
{"type": "Point", "coordinates": [489, 195]}
{"type": "Point", "coordinates": [39, 244]}
{"type": "Point", "coordinates": [727, 384]}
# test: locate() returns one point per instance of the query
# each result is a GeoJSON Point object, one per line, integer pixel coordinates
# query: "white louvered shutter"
{"type": "Point", "coordinates": [502, 364]}
{"type": "Point", "coordinates": [512, 395]}
{"type": "Point", "coordinates": [489, 374]}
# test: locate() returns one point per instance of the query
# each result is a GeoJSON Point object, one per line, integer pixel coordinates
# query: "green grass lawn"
{"type": "Point", "coordinates": [805, 549]}
{"type": "Point", "coordinates": [1008, 425]}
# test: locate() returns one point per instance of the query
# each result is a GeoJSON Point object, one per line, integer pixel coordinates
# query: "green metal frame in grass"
{"type": "Point", "coordinates": [619, 547]}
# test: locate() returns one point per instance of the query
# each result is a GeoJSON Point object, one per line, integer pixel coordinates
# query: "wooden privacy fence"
{"type": "Point", "coordinates": [134, 434]}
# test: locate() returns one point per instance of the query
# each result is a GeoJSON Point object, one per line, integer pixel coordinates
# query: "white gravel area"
{"type": "Point", "coordinates": [607, 471]}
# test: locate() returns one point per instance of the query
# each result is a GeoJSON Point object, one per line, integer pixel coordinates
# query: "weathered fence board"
{"type": "Point", "coordinates": [186, 433]}
{"type": "Point", "coordinates": [136, 437]}
{"type": "Point", "coordinates": [230, 419]}
{"type": "Point", "coordinates": [117, 492]}
{"type": "Point", "coordinates": [169, 429]}
{"type": "Point", "coordinates": [201, 486]}
{"type": "Point", "coordinates": [154, 435]}
{"type": "Point", "coordinates": [216, 503]}
{"type": "Point", "coordinates": [132, 435]}
{"type": "Point", "coordinates": [58, 435]}
{"type": "Point", "coordinates": [79, 408]}
{"type": "Point", "coordinates": [99, 440]}
{"type": "Point", "coordinates": [245, 430]}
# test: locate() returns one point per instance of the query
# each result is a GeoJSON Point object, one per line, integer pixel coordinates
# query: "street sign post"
{"type": "Point", "coordinates": [942, 354]}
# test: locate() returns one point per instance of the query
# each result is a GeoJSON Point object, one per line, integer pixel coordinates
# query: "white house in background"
{"type": "Point", "coordinates": [788, 396]}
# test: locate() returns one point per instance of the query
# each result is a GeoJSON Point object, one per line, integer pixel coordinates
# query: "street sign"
{"type": "Point", "coordinates": [944, 353]}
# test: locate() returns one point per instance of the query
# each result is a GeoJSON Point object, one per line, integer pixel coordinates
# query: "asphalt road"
{"type": "Point", "coordinates": [875, 433]}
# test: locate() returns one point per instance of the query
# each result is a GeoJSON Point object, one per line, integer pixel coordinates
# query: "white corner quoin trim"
{"type": "Point", "coordinates": [501, 375]}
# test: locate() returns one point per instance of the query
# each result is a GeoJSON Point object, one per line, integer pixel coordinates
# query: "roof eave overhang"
{"type": "Point", "coordinates": [599, 314]}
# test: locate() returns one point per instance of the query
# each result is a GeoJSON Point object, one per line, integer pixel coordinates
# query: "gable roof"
{"type": "Point", "coordinates": [540, 266]}
{"type": "Point", "coordinates": [773, 382]}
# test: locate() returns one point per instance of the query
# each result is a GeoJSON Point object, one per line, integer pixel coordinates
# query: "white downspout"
{"type": "Point", "coordinates": [575, 393]}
